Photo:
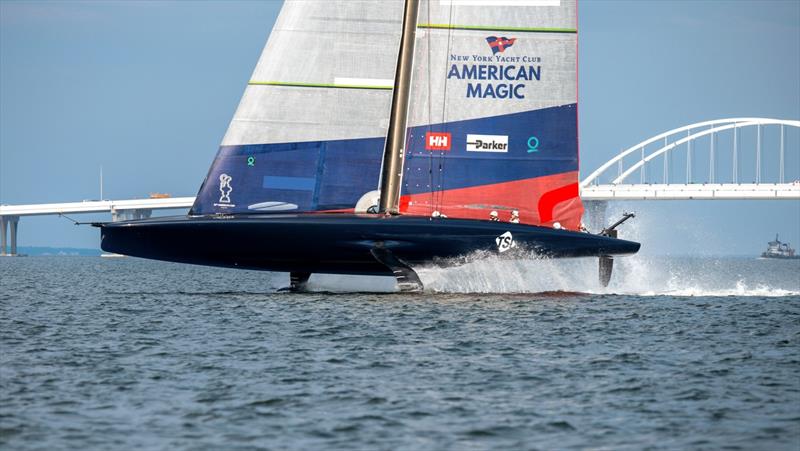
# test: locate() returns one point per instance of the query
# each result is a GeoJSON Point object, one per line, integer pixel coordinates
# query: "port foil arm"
{"type": "Point", "coordinates": [407, 280]}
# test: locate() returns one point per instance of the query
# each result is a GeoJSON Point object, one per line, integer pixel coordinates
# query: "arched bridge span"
{"type": "Point", "coordinates": [740, 163]}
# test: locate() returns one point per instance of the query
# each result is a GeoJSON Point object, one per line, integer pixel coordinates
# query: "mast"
{"type": "Point", "coordinates": [394, 152]}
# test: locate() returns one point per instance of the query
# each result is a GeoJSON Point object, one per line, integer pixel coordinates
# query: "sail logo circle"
{"type": "Point", "coordinates": [533, 144]}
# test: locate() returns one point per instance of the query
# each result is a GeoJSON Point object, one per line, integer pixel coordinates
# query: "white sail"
{"type": "Point", "coordinates": [492, 114]}
{"type": "Point", "coordinates": [324, 76]}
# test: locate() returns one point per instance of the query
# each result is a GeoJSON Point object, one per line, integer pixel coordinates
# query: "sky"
{"type": "Point", "coordinates": [145, 90]}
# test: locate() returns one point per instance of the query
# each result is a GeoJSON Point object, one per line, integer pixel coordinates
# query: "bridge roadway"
{"type": "Point", "coordinates": [96, 206]}
{"type": "Point", "coordinates": [594, 195]}
{"type": "Point", "coordinates": [606, 192]}
{"type": "Point", "coordinates": [119, 209]}
{"type": "Point", "coordinates": [692, 191]}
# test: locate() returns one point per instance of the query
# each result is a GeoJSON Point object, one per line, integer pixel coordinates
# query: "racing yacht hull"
{"type": "Point", "coordinates": [341, 243]}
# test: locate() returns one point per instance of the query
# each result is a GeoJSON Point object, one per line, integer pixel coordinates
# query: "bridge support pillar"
{"type": "Point", "coordinates": [3, 231]}
{"type": "Point", "coordinates": [13, 228]}
{"type": "Point", "coordinates": [9, 225]}
{"type": "Point", "coordinates": [595, 214]}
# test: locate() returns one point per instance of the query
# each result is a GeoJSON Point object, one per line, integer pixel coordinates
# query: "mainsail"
{"type": "Point", "coordinates": [309, 132]}
{"type": "Point", "coordinates": [466, 119]}
{"type": "Point", "coordinates": [492, 113]}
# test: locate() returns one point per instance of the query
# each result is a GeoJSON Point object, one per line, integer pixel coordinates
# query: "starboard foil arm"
{"type": "Point", "coordinates": [611, 230]}
{"type": "Point", "coordinates": [606, 262]}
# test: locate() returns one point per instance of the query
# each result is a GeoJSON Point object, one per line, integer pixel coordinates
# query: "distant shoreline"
{"type": "Point", "coordinates": [44, 251]}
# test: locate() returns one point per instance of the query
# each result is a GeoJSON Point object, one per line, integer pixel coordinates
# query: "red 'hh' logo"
{"type": "Point", "coordinates": [437, 141]}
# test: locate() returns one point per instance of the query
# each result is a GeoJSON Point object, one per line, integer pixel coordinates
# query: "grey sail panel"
{"type": "Point", "coordinates": [314, 114]}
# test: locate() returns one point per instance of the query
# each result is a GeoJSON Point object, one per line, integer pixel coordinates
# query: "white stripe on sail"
{"type": "Point", "coordinates": [504, 3]}
{"type": "Point", "coordinates": [370, 82]}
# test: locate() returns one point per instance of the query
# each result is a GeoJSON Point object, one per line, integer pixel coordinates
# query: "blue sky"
{"type": "Point", "coordinates": [146, 89]}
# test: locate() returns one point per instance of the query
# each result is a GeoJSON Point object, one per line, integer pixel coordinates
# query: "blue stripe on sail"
{"type": "Point", "coordinates": [333, 175]}
{"type": "Point", "coordinates": [289, 183]}
{"type": "Point", "coordinates": [342, 170]}
{"type": "Point", "coordinates": [554, 128]}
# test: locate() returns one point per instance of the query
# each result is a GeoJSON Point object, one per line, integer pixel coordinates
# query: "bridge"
{"type": "Point", "coordinates": [659, 183]}
{"type": "Point", "coordinates": [120, 210]}
{"type": "Point", "coordinates": [710, 160]}
{"type": "Point", "coordinates": [725, 174]}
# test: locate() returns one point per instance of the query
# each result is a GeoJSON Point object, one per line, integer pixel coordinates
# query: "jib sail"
{"type": "Point", "coordinates": [493, 112]}
{"type": "Point", "coordinates": [309, 132]}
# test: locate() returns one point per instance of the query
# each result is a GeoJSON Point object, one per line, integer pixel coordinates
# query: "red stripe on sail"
{"type": "Point", "coordinates": [550, 199]}
{"type": "Point", "coordinates": [539, 201]}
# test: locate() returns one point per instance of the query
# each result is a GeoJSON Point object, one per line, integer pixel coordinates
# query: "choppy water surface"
{"type": "Point", "coordinates": [676, 354]}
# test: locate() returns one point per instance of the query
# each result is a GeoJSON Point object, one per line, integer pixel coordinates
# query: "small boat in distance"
{"type": "Point", "coordinates": [778, 249]}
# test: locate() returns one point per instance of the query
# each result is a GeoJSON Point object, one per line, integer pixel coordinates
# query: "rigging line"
{"type": "Point", "coordinates": [293, 84]}
{"type": "Point", "coordinates": [450, 26]}
{"type": "Point", "coordinates": [430, 112]}
{"type": "Point", "coordinates": [442, 158]}
{"type": "Point", "coordinates": [73, 221]}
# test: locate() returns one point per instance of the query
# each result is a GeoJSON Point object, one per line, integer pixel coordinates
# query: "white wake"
{"type": "Point", "coordinates": [639, 275]}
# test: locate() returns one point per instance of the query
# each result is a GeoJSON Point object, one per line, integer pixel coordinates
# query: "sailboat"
{"type": "Point", "coordinates": [376, 136]}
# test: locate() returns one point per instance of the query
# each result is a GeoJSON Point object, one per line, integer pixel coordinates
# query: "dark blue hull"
{"type": "Point", "coordinates": [338, 243]}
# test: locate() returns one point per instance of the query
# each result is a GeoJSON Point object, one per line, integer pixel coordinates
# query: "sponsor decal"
{"type": "Point", "coordinates": [437, 141]}
{"type": "Point", "coordinates": [225, 189]}
{"type": "Point", "coordinates": [505, 242]}
{"type": "Point", "coordinates": [498, 76]}
{"type": "Point", "coordinates": [499, 44]}
{"type": "Point", "coordinates": [487, 143]}
{"type": "Point", "coordinates": [533, 144]}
